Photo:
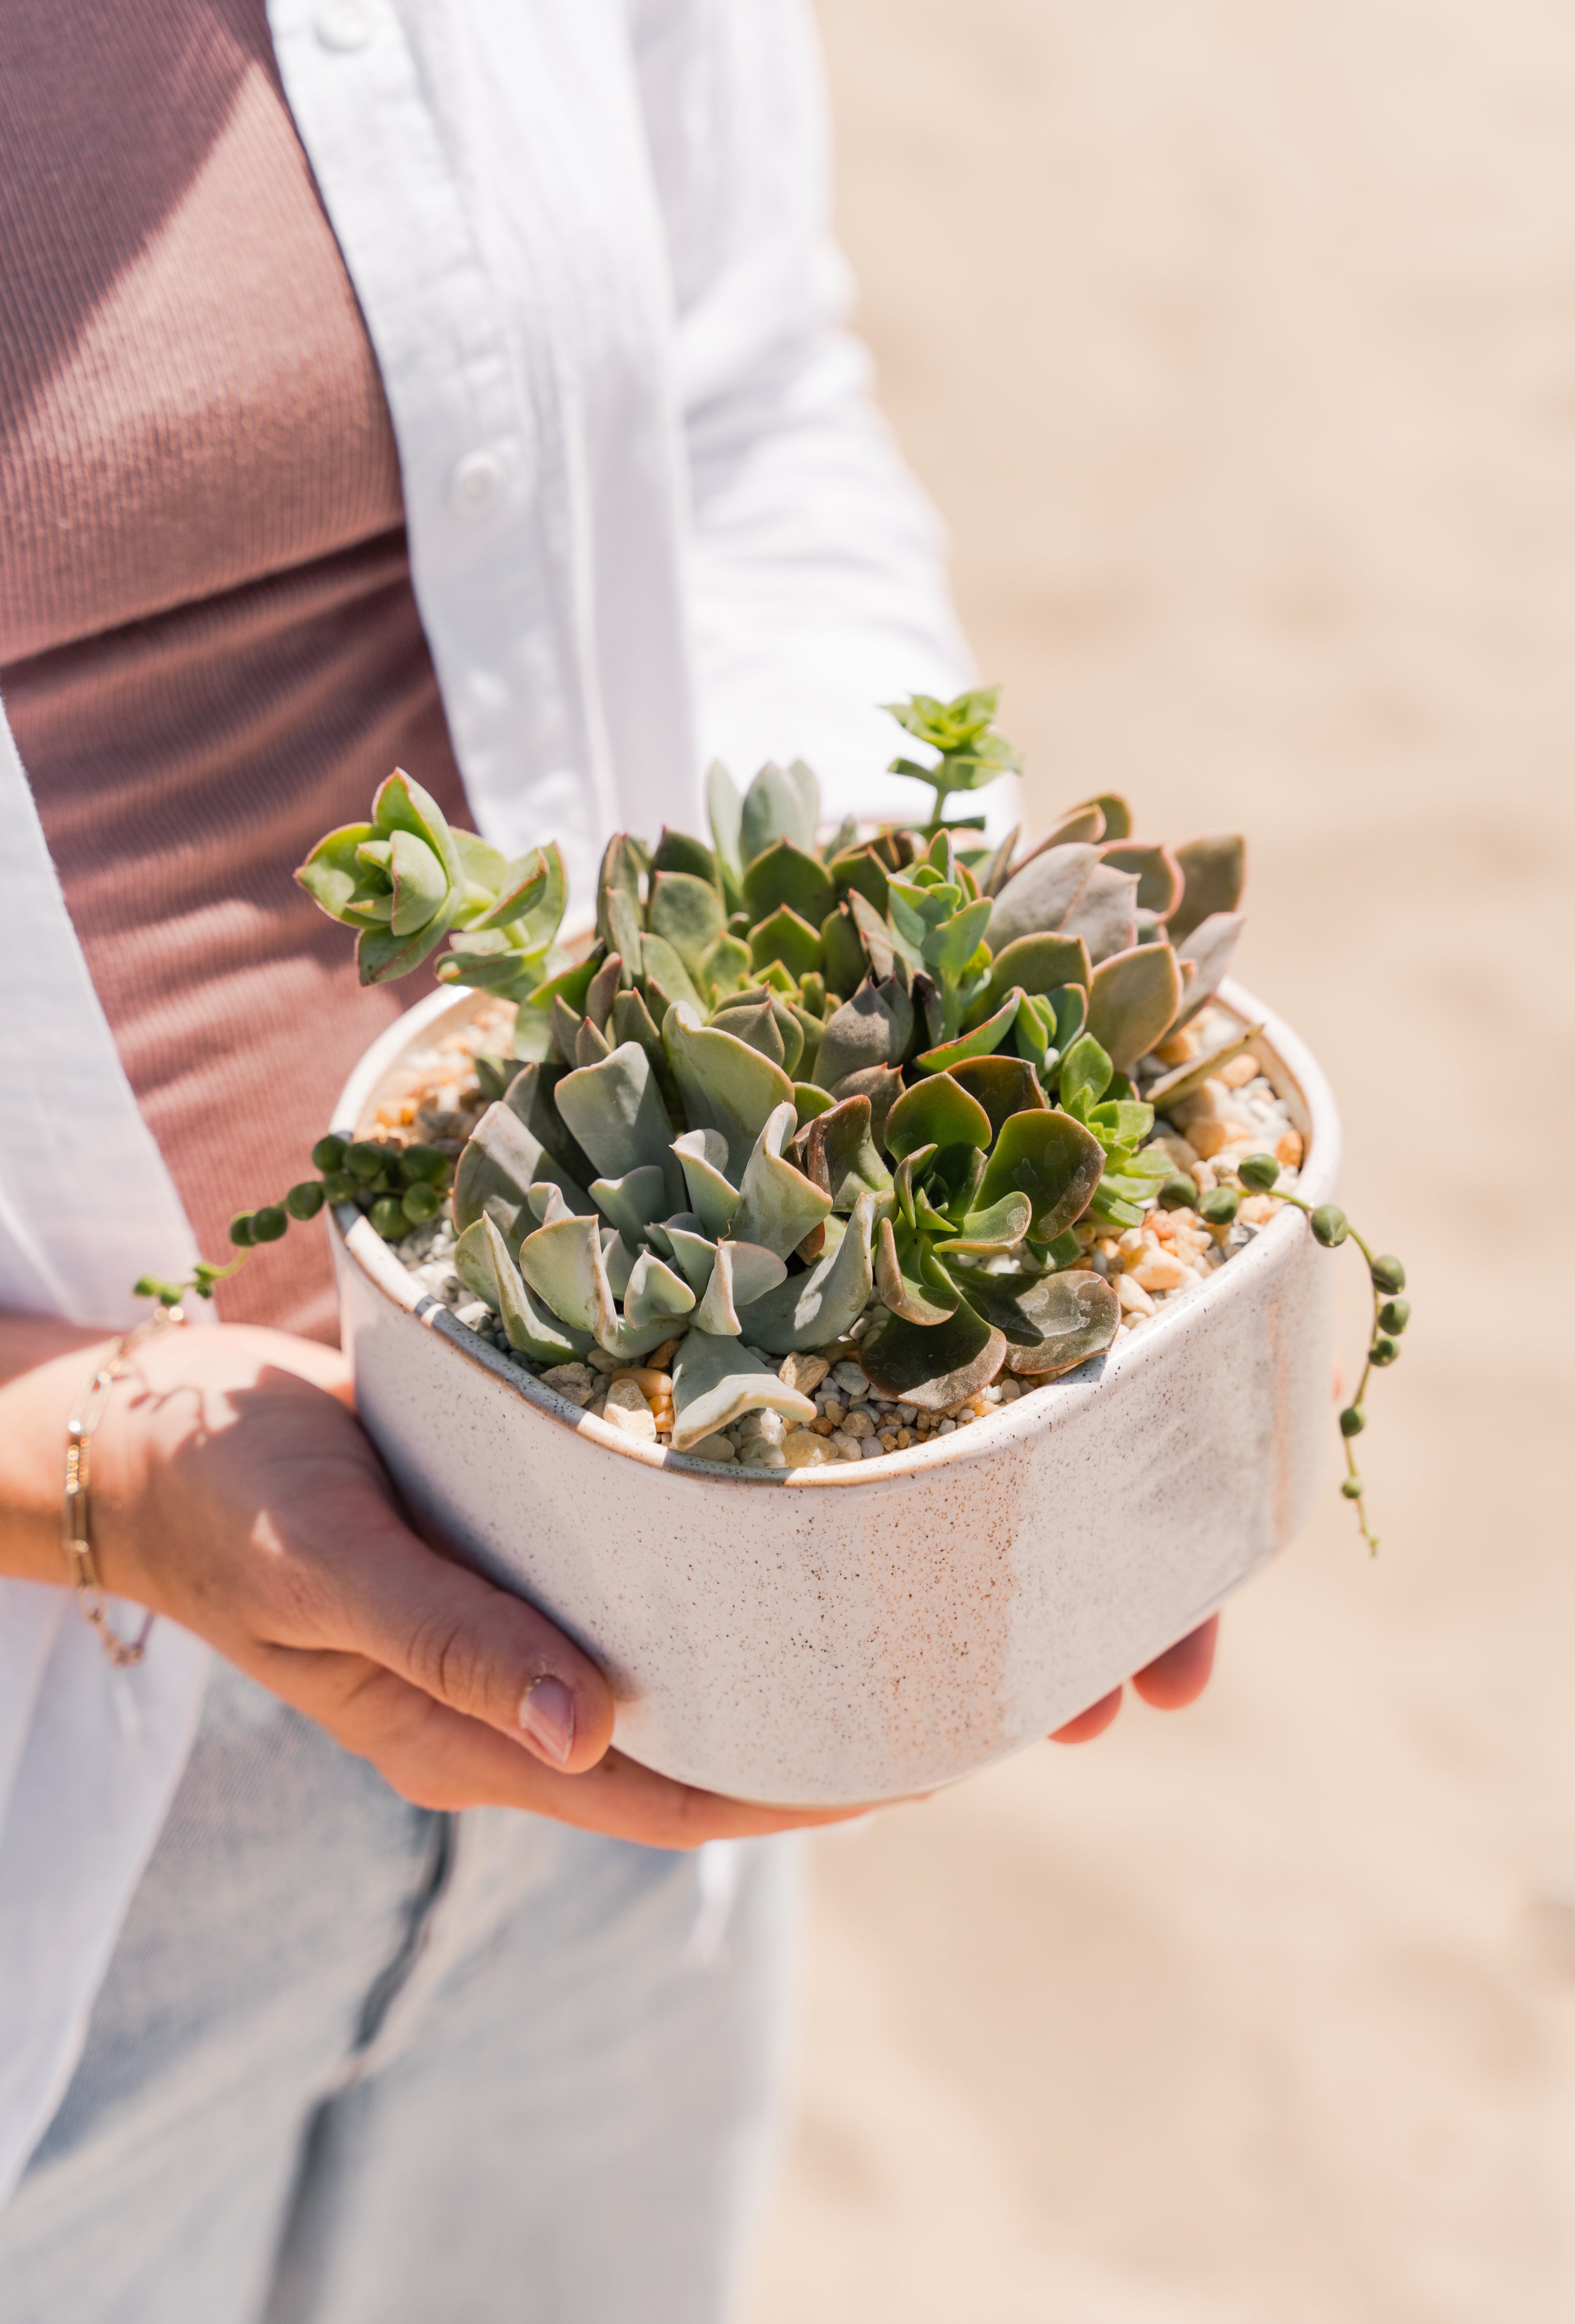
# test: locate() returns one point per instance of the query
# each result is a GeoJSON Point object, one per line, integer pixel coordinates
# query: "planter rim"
{"type": "Point", "coordinates": [1011, 1423]}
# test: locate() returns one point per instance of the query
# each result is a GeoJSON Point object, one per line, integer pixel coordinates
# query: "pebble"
{"type": "Point", "coordinates": [1288, 1150]}
{"type": "Point", "coordinates": [714, 1448]}
{"type": "Point", "coordinates": [871, 1448]}
{"type": "Point", "coordinates": [1133, 1298]}
{"type": "Point", "coordinates": [907, 1415]}
{"type": "Point", "coordinates": [1239, 1071]}
{"type": "Point", "coordinates": [849, 1377]}
{"type": "Point", "coordinates": [1157, 1270]}
{"type": "Point", "coordinates": [804, 1373]}
{"type": "Point", "coordinates": [769, 1425]}
{"type": "Point", "coordinates": [627, 1409]}
{"type": "Point", "coordinates": [802, 1449]}
{"type": "Point", "coordinates": [760, 1452]}
{"type": "Point", "coordinates": [859, 1423]}
{"type": "Point", "coordinates": [946, 1428]}
{"type": "Point", "coordinates": [847, 1447]}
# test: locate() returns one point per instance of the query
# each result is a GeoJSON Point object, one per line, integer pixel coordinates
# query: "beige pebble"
{"type": "Point", "coordinates": [803, 1449]}
{"type": "Point", "coordinates": [904, 1439]}
{"type": "Point", "coordinates": [652, 1385]}
{"type": "Point", "coordinates": [834, 1410]}
{"type": "Point", "coordinates": [627, 1409]}
{"type": "Point", "coordinates": [568, 1376]}
{"type": "Point", "coordinates": [661, 1358]}
{"type": "Point", "coordinates": [1204, 1175]}
{"type": "Point", "coordinates": [1009, 1391]}
{"type": "Point", "coordinates": [803, 1372]}
{"type": "Point", "coordinates": [889, 1439]}
{"type": "Point", "coordinates": [859, 1424]}
{"type": "Point", "coordinates": [1257, 1208]}
{"type": "Point", "coordinates": [1288, 1151]}
{"type": "Point", "coordinates": [848, 1448]}
{"type": "Point", "coordinates": [714, 1448]}
{"type": "Point", "coordinates": [1208, 1137]}
{"type": "Point", "coordinates": [1178, 1049]}
{"type": "Point", "coordinates": [760, 1452]}
{"type": "Point", "coordinates": [823, 1424]}
{"type": "Point", "coordinates": [1129, 1243]}
{"type": "Point", "coordinates": [1161, 1272]}
{"type": "Point", "coordinates": [1240, 1071]}
{"type": "Point", "coordinates": [1133, 1298]}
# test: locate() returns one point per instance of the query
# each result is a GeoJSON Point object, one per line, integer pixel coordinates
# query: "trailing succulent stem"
{"type": "Point", "coordinates": [800, 1086]}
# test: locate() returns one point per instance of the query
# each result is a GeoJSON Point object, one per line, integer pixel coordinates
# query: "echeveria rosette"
{"type": "Point", "coordinates": [968, 753]}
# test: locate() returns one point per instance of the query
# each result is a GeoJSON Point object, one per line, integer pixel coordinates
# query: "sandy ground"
{"type": "Point", "coordinates": [1237, 343]}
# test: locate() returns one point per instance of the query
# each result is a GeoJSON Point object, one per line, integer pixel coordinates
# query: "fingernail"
{"type": "Point", "coordinates": [548, 1718]}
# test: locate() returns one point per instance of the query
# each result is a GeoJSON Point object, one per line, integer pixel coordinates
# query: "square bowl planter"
{"type": "Point", "coordinates": [858, 1633]}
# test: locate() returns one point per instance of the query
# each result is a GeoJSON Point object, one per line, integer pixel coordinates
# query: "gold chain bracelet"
{"type": "Point", "coordinates": [87, 1412]}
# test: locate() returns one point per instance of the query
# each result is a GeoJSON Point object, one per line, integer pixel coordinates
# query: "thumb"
{"type": "Point", "coordinates": [481, 1652]}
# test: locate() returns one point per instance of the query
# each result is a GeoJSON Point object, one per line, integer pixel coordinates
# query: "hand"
{"type": "Point", "coordinates": [234, 1490]}
{"type": "Point", "coordinates": [1177, 1677]}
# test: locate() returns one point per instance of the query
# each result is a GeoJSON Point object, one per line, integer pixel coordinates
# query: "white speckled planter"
{"type": "Point", "coordinates": [859, 1633]}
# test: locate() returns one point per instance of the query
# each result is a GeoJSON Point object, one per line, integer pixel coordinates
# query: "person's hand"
{"type": "Point", "coordinates": [235, 1492]}
{"type": "Point", "coordinates": [1174, 1679]}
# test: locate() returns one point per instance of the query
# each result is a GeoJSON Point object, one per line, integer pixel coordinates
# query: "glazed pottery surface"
{"type": "Point", "coordinates": [861, 1632]}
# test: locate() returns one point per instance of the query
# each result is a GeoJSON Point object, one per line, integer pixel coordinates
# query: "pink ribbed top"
{"type": "Point", "coordinates": [209, 649]}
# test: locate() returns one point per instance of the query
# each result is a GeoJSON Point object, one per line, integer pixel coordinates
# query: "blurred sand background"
{"type": "Point", "coordinates": [1238, 345]}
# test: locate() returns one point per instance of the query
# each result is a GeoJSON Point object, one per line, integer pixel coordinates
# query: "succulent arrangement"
{"type": "Point", "coordinates": [902, 1086]}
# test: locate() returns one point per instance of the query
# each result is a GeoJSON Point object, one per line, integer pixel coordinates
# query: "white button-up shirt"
{"type": "Point", "coordinates": [652, 517]}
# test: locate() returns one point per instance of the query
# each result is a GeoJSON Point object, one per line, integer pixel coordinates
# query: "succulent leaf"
{"type": "Point", "coordinates": [908, 1277]}
{"type": "Point", "coordinates": [1040, 898]}
{"type": "Point", "coordinates": [742, 1271]}
{"type": "Point", "coordinates": [1036, 965]}
{"type": "Point", "coordinates": [936, 1111]}
{"type": "Point", "coordinates": [784, 936]}
{"type": "Point", "coordinates": [632, 1020]}
{"type": "Point", "coordinates": [811, 1310]}
{"type": "Point", "coordinates": [633, 1201]}
{"type": "Point", "coordinates": [882, 1086]}
{"type": "Point", "coordinates": [1133, 1001]}
{"type": "Point", "coordinates": [725, 809]}
{"type": "Point", "coordinates": [676, 850]}
{"type": "Point", "coordinates": [482, 1264]}
{"type": "Point", "coordinates": [1086, 1074]}
{"type": "Point", "coordinates": [590, 1047]}
{"type": "Point", "coordinates": [774, 808]}
{"type": "Point", "coordinates": [1106, 913]}
{"type": "Point", "coordinates": [750, 1018]}
{"type": "Point", "coordinates": [716, 1380]}
{"type": "Point", "coordinates": [1205, 955]}
{"type": "Point", "coordinates": [1003, 1086]}
{"type": "Point", "coordinates": [875, 1027]}
{"type": "Point", "coordinates": [810, 1102]}
{"type": "Point", "coordinates": [727, 967]}
{"type": "Point", "coordinates": [563, 1264]}
{"type": "Point", "coordinates": [779, 1204]}
{"type": "Point", "coordinates": [725, 1085]}
{"type": "Point", "coordinates": [618, 915]}
{"type": "Point", "coordinates": [1076, 1316]}
{"type": "Point", "coordinates": [654, 1293]}
{"type": "Point", "coordinates": [694, 1253]}
{"type": "Point", "coordinates": [529, 1094]}
{"type": "Point", "coordinates": [1213, 872]}
{"type": "Point", "coordinates": [840, 1155]}
{"type": "Point", "coordinates": [934, 1365]}
{"type": "Point", "coordinates": [685, 911]}
{"type": "Point", "coordinates": [615, 1109]}
{"type": "Point", "coordinates": [788, 875]}
{"type": "Point", "coordinates": [1052, 1159]}
{"type": "Point", "coordinates": [666, 978]}
{"type": "Point", "coordinates": [996, 1228]}
{"type": "Point", "coordinates": [702, 1157]}
{"type": "Point", "coordinates": [1159, 875]}
{"type": "Point", "coordinates": [500, 1163]}
{"type": "Point", "coordinates": [861, 867]}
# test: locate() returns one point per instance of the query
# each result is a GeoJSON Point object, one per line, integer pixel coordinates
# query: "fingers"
{"type": "Point", "coordinates": [1089, 1722]}
{"type": "Point", "coordinates": [438, 1758]}
{"type": "Point", "coordinates": [1179, 1675]}
{"type": "Point", "coordinates": [481, 1653]}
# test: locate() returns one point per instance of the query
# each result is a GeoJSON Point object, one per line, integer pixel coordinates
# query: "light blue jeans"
{"type": "Point", "coordinates": [358, 2064]}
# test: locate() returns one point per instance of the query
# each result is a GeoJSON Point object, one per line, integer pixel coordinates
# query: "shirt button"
{"type": "Point", "coordinates": [344, 25]}
{"type": "Point", "coordinates": [475, 482]}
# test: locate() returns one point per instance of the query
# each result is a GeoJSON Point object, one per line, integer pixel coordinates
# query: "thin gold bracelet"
{"type": "Point", "coordinates": [87, 1412]}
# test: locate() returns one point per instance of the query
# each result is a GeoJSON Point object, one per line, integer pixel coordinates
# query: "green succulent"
{"type": "Point", "coordinates": [801, 1084]}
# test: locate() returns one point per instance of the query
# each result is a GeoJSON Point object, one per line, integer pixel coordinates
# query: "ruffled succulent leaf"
{"type": "Point", "coordinates": [950, 945]}
{"type": "Point", "coordinates": [564, 1265]}
{"type": "Point", "coordinates": [908, 1171]}
{"type": "Point", "coordinates": [516, 889]}
{"type": "Point", "coordinates": [1116, 812]}
{"type": "Point", "coordinates": [1213, 873]}
{"type": "Point", "coordinates": [482, 1264]}
{"type": "Point", "coordinates": [774, 808]}
{"type": "Point", "coordinates": [1002, 1086]}
{"type": "Point", "coordinates": [655, 1294]}
{"type": "Point", "coordinates": [1205, 957]}
{"type": "Point", "coordinates": [502, 1161]}
{"type": "Point", "coordinates": [1079, 823]}
{"type": "Point", "coordinates": [685, 912]}
{"type": "Point", "coordinates": [875, 1027]}
{"type": "Point", "coordinates": [693, 1253]}
{"type": "Point", "coordinates": [741, 1272]}
{"type": "Point", "coordinates": [811, 1310]}
{"type": "Point", "coordinates": [702, 1155]}
{"type": "Point", "coordinates": [933, 1365]}
{"type": "Point", "coordinates": [1133, 1002]}
{"type": "Point", "coordinates": [1040, 898]}
{"type": "Point", "coordinates": [1073, 1317]}
{"type": "Point", "coordinates": [779, 1204]}
{"type": "Point", "coordinates": [617, 1259]}
{"type": "Point", "coordinates": [1106, 913]}
{"type": "Point", "coordinates": [633, 1202]}
{"type": "Point", "coordinates": [716, 1380]}
{"type": "Point", "coordinates": [1159, 875]}
{"type": "Point", "coordinates": [840, 1156]}
{"type": "Point", "coordinates": [615, 1109]}
{"type": "Point", "coordinates": [724, 1083]}
{"type": "Point", "coordinates": [953, 1180]}
{"type": "Point", "coordinates": [882, 1086]}
{"type": "Point", "coordinates": [980, 1043]}
{"type": "Point", "coordinates": [547, 1204]}
{"type": "Point", "coordinates": [1086, 1074]}
{"type": "Point", "coordinates": [1183, 1080]}
{"type": "Point", "coordinates": [1052, 1159]}
{"type": "Point", "coordinates": [750, 1018]}
{"type": "Point", "coordinates": [789, 876]}
{"type": "Point", "coordinates": [908, 1277]}
{"type": "Point", "coordinates": [420, 884]}
{"type": "Point", "coordinates": [784, 936]}
{"type": "Point", "coordinates": [810, 1100]}
{"type": "Point", "coordinates": [528, 1094]}
{"type": "Point", "coordinates": [993, 1229]}
{"type": "Point", "coordinates": [936, 1111]}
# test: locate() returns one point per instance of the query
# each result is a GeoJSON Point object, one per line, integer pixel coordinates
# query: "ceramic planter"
{"type": "Point", "coordinates": [861, 1632]}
